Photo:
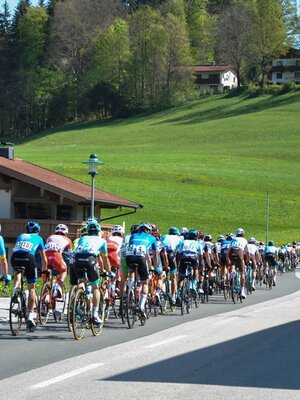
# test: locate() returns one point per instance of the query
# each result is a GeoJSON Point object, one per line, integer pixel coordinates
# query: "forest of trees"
{"type": "Point", "coordinates": [78, 60]}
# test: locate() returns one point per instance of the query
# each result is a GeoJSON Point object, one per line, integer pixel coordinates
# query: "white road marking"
{"type": "Point", "coordinates": [66, 376]}
{"type": "Point", "coordinates": [167, 341]}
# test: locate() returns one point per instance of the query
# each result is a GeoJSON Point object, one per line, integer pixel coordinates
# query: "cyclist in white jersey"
{"type": "Point", "coordinates": [236, 253]}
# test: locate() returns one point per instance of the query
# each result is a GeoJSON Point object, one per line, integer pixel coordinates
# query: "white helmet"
{"type": "Point", "coordinates": [184, 230]}
{"type": "Point", "coordinates": [240, 232]}
{"type": "Point", "coordinates": [91, 221]}
{"type": "Point", "coordinates": [117, 229]}
{"type": "Point", "coordinates": [62, 228]}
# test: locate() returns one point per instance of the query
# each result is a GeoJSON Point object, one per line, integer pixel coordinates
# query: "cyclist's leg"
{"type": "Point", "coordinates": [144, 277]}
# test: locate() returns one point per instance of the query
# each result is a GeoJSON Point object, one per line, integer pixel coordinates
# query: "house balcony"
{"type": "Point", "coordinates": [283, 68]}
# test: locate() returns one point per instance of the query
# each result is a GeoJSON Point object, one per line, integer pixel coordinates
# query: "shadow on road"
{"type": "Point", "coordinates": [266, 359]}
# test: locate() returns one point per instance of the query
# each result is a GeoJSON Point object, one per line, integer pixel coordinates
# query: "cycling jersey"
{"type": "Point", "coordinates": [252, 248]}
{"type": "Point", "coordinates": [92, 245]}
{"type": "Point", "coordinates": [190, 248]}
{"type": "Point", "coordinates": [58, 243]}
{"type": "Point", "coordinates": [270, 250]}
{"type": "Point", "coordinates": [2, 249]}
{"type": "Point", "coordinates": [28, 243]}
{"type": "Point", "coordinates": [114, 245]}
{"type": "Point", "coordinates": [171, 242]}
{"type": "Point", "coordinates": [224, 248]}
{"type": "Point", "coordinates": [238, 243]}
{"type": "Point", "coordinates": [140, 243]}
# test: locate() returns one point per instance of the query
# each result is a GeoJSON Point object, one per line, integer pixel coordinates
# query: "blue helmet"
{"type": "Point", "coordinates": [93, 228]}
{"type": "Point", "coordinates": [174, 231]}
{"type": "Point", "coordinates": [192, 234]}
{"type": "Point", "coordinates": [32, 227]}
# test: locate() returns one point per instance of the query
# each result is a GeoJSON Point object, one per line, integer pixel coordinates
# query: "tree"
{"type": "Point", "coordinates": [202, 31]}
{"type": "Point", "coordinates": [234, 24]}
{"type": "Point", "coordinates": [269, 35]}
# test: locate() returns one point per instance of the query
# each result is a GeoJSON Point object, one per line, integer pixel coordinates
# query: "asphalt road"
{"type": "Point", "coordinates": [221, 350]}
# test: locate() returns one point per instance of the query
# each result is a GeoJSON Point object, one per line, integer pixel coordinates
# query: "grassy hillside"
{"type": "Point", "coordinates": [208, 164]}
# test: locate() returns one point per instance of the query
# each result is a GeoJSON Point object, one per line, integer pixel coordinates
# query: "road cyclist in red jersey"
{"type": "Point", "coordinates": [56, 244]}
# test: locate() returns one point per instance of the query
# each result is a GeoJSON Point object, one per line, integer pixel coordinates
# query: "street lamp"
{"type": "Point", "coordinates": [93, 162]}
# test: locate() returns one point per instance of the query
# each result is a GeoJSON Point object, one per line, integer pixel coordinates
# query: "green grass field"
{"type": "Point", "coordinates": [206, 165]}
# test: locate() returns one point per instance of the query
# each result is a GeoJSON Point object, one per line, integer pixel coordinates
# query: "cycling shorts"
{"type": "Point", "coordinates": [26, 260]}
{"type": "Point", "coordinates": [87, 262]}
{"type": "Point", "coordinates": [141, 264]}
{"type": "Point", "coordinates": [172, 261]}
{"type": "Point", "coordinates": [271, 260]}
{"type": "Point", "coordinates": [56, 261]}
{"type": "Point", "coordinates": [185, 260]}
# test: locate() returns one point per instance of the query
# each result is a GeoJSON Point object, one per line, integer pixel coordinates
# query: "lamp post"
{"type": "Point", "coordinates": [93, 162]}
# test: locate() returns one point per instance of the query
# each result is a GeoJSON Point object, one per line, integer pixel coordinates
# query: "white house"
{"type": "Point", "coordinates": [215, 78]}
{"type": "Point", "coordinates": [286, 68]}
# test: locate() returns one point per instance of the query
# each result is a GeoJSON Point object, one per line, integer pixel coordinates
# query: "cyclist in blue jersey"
{"type": "Point", "coordinates": [24, 251]}
{"type": "Point", "coordinates": [91, 253]}
{"type": "Point", "coordinates": [171, 243]}
{"type": "Point", "coordinates": [192, 251]}
{"type": "Point", "coordinates": [137, 254]}
{"type": "Point", "coordinates": [3, 260]}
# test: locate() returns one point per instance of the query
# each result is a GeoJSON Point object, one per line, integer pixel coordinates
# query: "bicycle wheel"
{"type": "Point", "coordinates": [131, 307]}
{"type": "Point", "coordinates": [44, 304]}
{"type": "Point", "coordinates": [123, 300]}
{"type": "Point", "coordinates": [60, 304]}
{"type": "Point", "coordinates": [97, 328]}
{"type": "Point", "coordinates": [184, 299]}
{"type": "Point", "coordinates": [80, 315]}
{"type": "Point", "coordinates": [16, 313]}
{"type": "Point", "coordinates": [71, 297]}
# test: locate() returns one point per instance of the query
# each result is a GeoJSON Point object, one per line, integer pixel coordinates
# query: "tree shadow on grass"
{"type": "Point", "coordinates": [245, 106]}
{"type": "Point", "coordinates": [265, 359]}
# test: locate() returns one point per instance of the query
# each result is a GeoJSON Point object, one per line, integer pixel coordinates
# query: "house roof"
{"type": "Point", "coordinates": [60, 185]}
{"type": "Point", "coordinates": [211, 68]}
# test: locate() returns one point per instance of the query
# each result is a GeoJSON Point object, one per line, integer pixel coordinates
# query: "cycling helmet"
{"type": "Point", "coordinates": [154, 231]}
{"type": "Point", "coordinates": [220, 238]}
{"type": "Point", "coordinates": [83, 231]}
{"type": "Point", "coordinates": [61, 229]}
{"type": "Point", "coordinates": [192, 234]}
{"type": "Point", "coordinates": [252, 240]}
{"type": "Point", "coordinates": [271, 243]}
{"type": "Point", "coordinates": [145, 227]}
{"type": "Point", "coordinates": [93, 228]}
{"type": "Point", "coordinates": [32, 227]}
{"type": "Point", "coordinates": [261, 243]}
{"type": "Point", "coordinates": [207, 238]}
{"type": "Point", "coordinates": [200, 235]}
{"type": "Point", "coordinates": [240, 232]}
{"type": "Point", "coordinates": [117, 229]}
{"type": "Point", "coordinates": [183, 231]}
{"type": "Point", "coordinates": [174, 231]}
{"type": "Point", "coordinates": [134, 228]}
{"type": "Point", "coordinates": [91, 221]}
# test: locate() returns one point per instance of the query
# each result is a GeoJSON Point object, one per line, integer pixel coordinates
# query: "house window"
{"type": "Point", "coordinates": [297, 75]}
{"type": "Point", "coordinates": [32, 210]}
{"type": "Point", "coordinates": [64, 212]}
{"type": "Point", "coordinates": [298, 62]}
{"type": "Point", "coordinates": [279, 75]}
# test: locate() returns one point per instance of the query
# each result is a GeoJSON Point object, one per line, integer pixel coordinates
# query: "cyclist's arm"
{"type": "Point", "coordinates": [44, 260]}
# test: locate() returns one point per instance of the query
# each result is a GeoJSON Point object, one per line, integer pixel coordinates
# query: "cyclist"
{"type": "Point", "coordinates": [171, 243]}
{"type": "Point", "coordinates": [26, 246]}
{"type": "Point", "coordinates": [114, 246]}
{"type": "Point", "coordinates": [91, 253]}
{"type": "Point", "coordinates": [254, 257]}
{"type": "Point", "coordinates": [137, 253]}
{"type": "Point", "coordinates": [211, 259]}
{"type": "Point", "coordinates": [55, 245]}
{"type": "Point", "coordinates": [162, 261]}
{"type": "Point", "coordinates": [236, 253]}
{"type": "Point", "coordinates": [224, 247]}
{"type": "Point", "coordinates": [271, 254]}
{"type": "Point", "coordinates": [189, 250]}
{"type": "Point", "coordinates": [3, 260]}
